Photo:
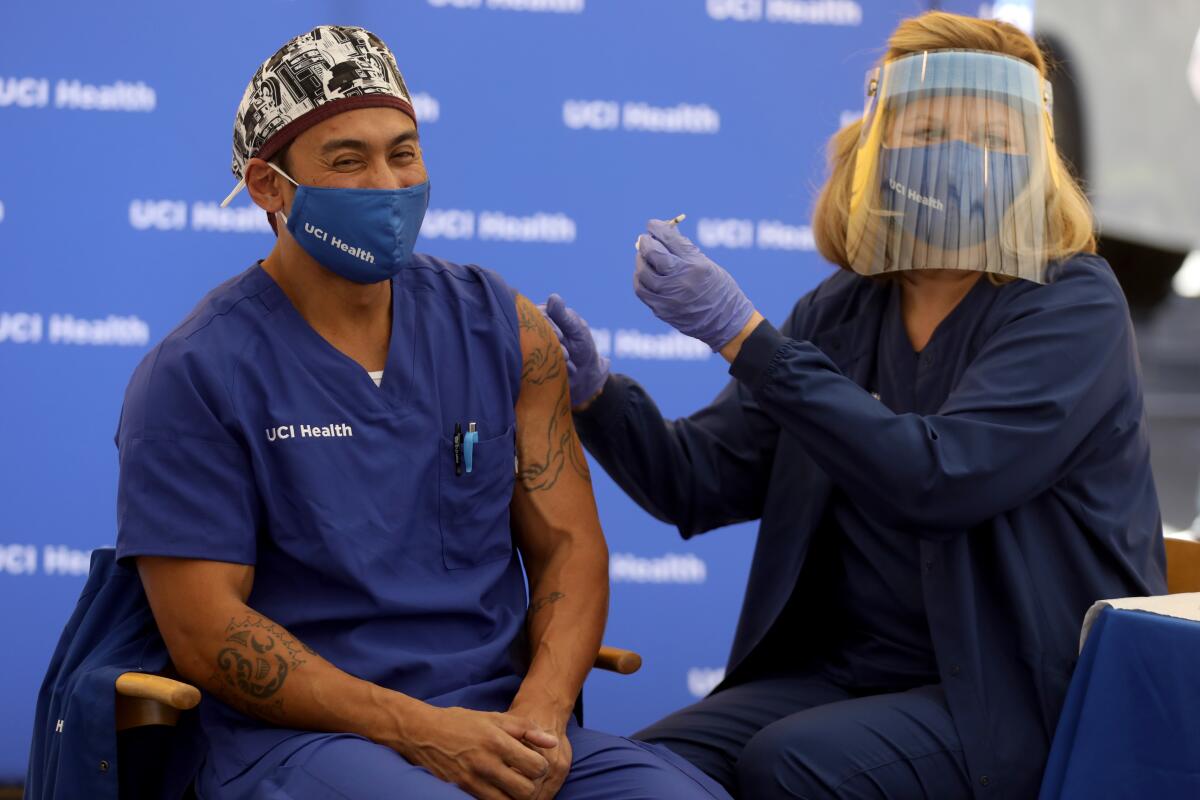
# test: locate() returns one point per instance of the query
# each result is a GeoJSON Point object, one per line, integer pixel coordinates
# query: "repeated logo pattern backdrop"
{"type": "Point", "coordinates": [552, 130]}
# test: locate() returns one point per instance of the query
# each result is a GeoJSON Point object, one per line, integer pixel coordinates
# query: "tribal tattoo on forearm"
{"type": "Point", "coordinates": [541, 471]}
{"type": "Point", "coordinates": [254, 662]}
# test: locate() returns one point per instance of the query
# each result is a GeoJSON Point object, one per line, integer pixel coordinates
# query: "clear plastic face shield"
{"type": "Point", "coordinates": [954, 167]}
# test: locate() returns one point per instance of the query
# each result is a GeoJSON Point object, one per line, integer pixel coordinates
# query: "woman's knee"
{"type": "Point", "coordinates": [869, 751]}
{"type": "Point", "coordinates": [777, 763]}
{"type": "Point", "coordinates": [690, 735]}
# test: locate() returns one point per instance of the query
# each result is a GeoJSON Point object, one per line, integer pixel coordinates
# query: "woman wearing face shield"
{"type": "Point", "coordinates": [944, 444]}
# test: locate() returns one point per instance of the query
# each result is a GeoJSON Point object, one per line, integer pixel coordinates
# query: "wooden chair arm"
{"type": "Point", "coordinates": [1183, 565]}
{"type": "Point", "coordinates": [146, 699]}
{"type": "Point", "coordinates": [184, 697]}
{"type": "Point", "coordinates": [614, 659]}
{"type": "Point", "coordinates": [171, 693]}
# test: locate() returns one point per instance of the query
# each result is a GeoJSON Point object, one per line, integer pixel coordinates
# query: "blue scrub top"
{"type": "Point", "coordinates": [246, 437]}
{"type": "Point", "coordinates": [883, 640]}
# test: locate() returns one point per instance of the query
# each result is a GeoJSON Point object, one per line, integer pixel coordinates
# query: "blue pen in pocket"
{"type": "Point", "coordinates": [469, 440]}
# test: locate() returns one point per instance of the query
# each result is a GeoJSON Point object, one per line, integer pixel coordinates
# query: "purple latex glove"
{"type": "Point", "coordinates": [587, 370]}
{"type": "Point", "coordinates": [686, 289]}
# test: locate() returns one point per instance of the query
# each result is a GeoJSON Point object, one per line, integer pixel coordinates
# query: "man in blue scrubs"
{"type": "Point", "coordinates": [326, 466]}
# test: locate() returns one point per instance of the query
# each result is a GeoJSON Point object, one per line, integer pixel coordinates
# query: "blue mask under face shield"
{"type": "Point", "coordinates": [363, 235]}
{"type": "Point", "coordinates": [954, 167]}
{"type": "Point", "coordinates": [950, 195]}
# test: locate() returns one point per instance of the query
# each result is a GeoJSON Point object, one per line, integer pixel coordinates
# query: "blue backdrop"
{"type": "Point", "coordinates": [552, 129]}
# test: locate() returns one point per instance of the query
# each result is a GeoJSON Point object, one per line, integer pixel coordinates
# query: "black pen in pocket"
{"type": "Point", "coordinates": [458, 442]}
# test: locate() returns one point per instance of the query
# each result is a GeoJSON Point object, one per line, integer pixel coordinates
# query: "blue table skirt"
{"type": "Point", "coordinates": [1130, 727]}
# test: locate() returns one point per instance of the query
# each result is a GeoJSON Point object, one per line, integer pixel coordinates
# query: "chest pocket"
{"type": "Point", "coordinates": [473, 506]}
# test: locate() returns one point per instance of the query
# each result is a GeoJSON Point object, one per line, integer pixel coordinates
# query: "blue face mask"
{"type": "Point", "coordinates": [952, 194]}
{"type": "Point", "coordinates": [364, 235]}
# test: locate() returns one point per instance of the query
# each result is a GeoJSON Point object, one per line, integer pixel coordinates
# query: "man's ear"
{"type": "Point", "coordinates": [267, 188]}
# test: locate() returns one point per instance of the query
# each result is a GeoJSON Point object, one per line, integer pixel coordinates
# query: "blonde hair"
{"type": "Point", "coordinates": [1069, 216]}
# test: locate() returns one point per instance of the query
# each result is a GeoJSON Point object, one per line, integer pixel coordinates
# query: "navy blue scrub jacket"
{"type": "Point", "coordinates": [1030, 490]}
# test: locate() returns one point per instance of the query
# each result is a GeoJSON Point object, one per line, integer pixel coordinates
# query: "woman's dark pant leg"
{"type": "Point", "coordinates": [713, 732]}
{"type": "Point", "coordinates": [894, 746]}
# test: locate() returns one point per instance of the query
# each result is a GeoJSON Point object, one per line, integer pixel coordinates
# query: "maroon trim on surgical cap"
{"type": "Point", "coordinates": [285, 135]}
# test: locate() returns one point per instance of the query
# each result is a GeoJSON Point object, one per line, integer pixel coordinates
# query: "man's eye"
{"type": "Point", "coordinates": [344, 163]}
{"type": "Point", "coordinates": [404, 154]}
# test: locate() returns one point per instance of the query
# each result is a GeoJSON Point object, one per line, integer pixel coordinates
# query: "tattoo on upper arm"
{"type": "Point", "coordinates": [544, 362]}
{"type": "Point", "coordinates": [540, 471]}
{"type": "Point", "coordinates": [538, 605]}
{"type": "Point", "coordinates": [570, 440]}
{"type": "Point", "coordinates": [254, 662]}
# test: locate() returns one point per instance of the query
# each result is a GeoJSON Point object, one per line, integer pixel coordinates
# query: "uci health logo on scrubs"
{"type": "Point", "coordinates": [283, 433]}
{"type": "Point", "coordinates": [529, 6]}
{"type": "Point", "coordinates": [609, 115]}
{"type": "Point", "coordinates": [794, 12]}
{"type": "Point", "coordinates": [75, 95]}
